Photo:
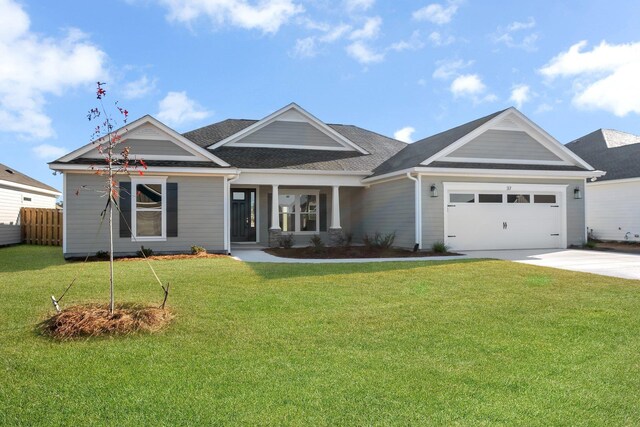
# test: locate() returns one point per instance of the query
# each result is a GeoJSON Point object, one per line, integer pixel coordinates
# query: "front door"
{"type": "Point", "coordinates": [243, 215]}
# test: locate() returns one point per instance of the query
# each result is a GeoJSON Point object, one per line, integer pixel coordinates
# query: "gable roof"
{"type": "Point", "coordinates": [292, 112]}
{"type": "Point", "coordinates": [11, 175]}
{"type": "Point", "coordinates": [617, 153]}
{"type": "Point", "coordinates": [378, 148]}
{"type": "Point", "coordinates": [186, 143]}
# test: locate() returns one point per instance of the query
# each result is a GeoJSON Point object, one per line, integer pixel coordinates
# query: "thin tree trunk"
{"type": "Point", "coordinates": [112, 300]}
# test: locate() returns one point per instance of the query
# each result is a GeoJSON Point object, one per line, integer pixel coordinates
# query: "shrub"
{"type": "Point", "coordinates": [287, 241]}
{"type": "Point", "coordinates": [379, 241]}
{"type": "Point", "coordinates": [198, 250]}
{"type": "Point", "coordinates": [343, 239]}
{"type": "Point", "coordinates": [317, 244]}
{"type": "Point", "coordinates": [145, 252]}
{"type": "Point", "coordinates": [102, 254]}
{"type": "Point", "coordinates": [440, 248]}
{"type": "Point", "coordinates": [591, 244]}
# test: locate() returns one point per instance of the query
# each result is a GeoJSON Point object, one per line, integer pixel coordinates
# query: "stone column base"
{"type": "Point", "coordinates": [274, 237]}
{"type": "Point", "coordinates": [335, 236]}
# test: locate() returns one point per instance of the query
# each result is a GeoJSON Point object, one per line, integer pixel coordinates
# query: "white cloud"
{"type": "Point", "coordinates": [305, 48]}
{"type": "Point", "coordinates": [507, 35]}
{"type": "Point", "coordinates": [437, 39]}
{"type": "Point", "coordinates": [604, 78]}
{"type": "Point", "coordinates": [49, 152]}
{"type": "Point", "coordinates": [334, 34]}
{"type": "Point", "coordinates": [543, 108]}
{"type": "Point", "coordinates": [467, 84]}
{"type": "Point", "coordinates": [437, 13]}
{"type": "Point", "coordinates": [404, 134]}
{"type": "Point", "coordinates": [309, 47]}
{"type": "Point", "coordinates": [449, 68]}
{"type": "Point", "coordinates": [267, 15]}
{"type": "Point", "coordinates": [370, 29]}
{"type": "Point", "coordinates": [353, 5]}
{"type": "Point", "coordinates": [363, 53]}
{"type": "Point", "coordinates": [34, 67]}
{"type": "Point", "coordinates": [413, 43]}
{"type": "Point", "coordinates": [177, 108]}
{"type": "Point", "coordinates": [139, 88]}
{"type": "Point", "coordinates": [520, 94]}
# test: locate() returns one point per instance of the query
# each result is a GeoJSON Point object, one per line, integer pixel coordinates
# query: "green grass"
{"type": "Point", "coordinates": [411, 343]}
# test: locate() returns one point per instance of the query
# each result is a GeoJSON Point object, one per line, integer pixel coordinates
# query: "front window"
{"type": "Point", "coordinates": [299, 212]}
{"type": "Point", "coordinates": [149, 209]}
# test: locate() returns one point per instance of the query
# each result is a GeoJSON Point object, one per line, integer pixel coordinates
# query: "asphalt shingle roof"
{"type": "Point", "coordinates": [379, 147]}
{"type": "Point", "coordinates": [161, 163]}
{"type": "Point", "coordinates": [12, 175]}
{"type": "Point", "coordinates": [615, 152]}
{"type": "Point", "coordinates": [419, 151]}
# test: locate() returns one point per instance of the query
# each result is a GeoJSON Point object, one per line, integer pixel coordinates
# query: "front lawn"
{"type": "Point", "coordinates": [462, 342]}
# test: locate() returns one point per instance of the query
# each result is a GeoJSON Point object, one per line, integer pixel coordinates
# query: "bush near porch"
{"type": "Point", "coordinates": [470, 342]}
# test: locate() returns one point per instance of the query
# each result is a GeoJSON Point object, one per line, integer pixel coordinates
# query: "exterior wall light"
{"type": "Point", "coordinates": [577, 194]}
{"type": "Point", "coordinates": [434, 190]}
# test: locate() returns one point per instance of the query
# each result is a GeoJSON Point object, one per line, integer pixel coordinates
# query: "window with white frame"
{"type": "Point", "coordinates": [149, 208]}
{"type": "Point", "coordinates": [298, 211]}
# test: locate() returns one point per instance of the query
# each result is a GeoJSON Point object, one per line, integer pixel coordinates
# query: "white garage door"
{"type": "Point", "coordinates": [501, 216]}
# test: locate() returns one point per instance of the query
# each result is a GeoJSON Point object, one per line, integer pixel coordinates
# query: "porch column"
{"type": "Point", "coordinates": [335, 208]}
{"type": "Point", "coordinates": [275, 207]}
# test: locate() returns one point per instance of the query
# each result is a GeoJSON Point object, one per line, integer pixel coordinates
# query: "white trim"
{"type": "Point", "coordinates": [152, 169]}
{"type": "Point", "coordinates": [505, 188]}
{"type": "Point", "coordinates": [322, 127]}
{"type": "Point", "coordinates": [417, 208]}
{"type": "Point", "coordinates": [505, 161]}
{"type": "Point", "coordinates": [64, 213]}
{"type": "Point", "coordinates": [225, 215]}
{"type": "Point", "coordinates": [613, 181]}
{"type": "Point", "coordinates": [289, 147]}
{"type": "Point", "coordinates": [335, 208]}
{"type": "Point", "coordinates": [532, 129]}
{"type": "Point", "coordinates": [29, 188]}
{"type": "Point", "coordinates": [182, 141]}
{"type": "Point", "coordinates": [275, 208]}
{"type": "Point", "coordinates": [497, 173]}
{"type": "Point", "coordinates": [584, 201]}
{"type": "Point", "coordinates": [162, 180]}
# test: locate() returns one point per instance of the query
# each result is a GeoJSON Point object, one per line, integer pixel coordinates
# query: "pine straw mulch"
{"type": "Point", "coordinates": [94, 320]}
{"type": "Point", "coordinates": [152, 257]}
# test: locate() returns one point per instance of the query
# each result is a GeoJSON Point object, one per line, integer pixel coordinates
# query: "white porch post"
{"type": "Point", "coordinates": [335, 207]}
{"type": "Point", "coordinates": [275, 207]}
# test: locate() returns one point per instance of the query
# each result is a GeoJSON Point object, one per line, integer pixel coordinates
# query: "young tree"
{"type": "Point", "coordinates": [107, 137]}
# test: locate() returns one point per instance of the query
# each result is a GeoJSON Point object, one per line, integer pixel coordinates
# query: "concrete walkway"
{"type": "Point", "coordinates": [614, 264]}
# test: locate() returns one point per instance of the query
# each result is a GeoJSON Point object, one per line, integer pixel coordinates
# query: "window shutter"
{"type": "Point", "coordinates": [269, 197]}
{"type": "Point", "coordinates": [125, 209]}
{"type": "Point", "coordinates": [323, 212]}
{"type": "Point", "coordinates": [172, 209]}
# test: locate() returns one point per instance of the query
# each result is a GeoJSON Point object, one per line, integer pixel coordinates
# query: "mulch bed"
{"type": "Point", "coordinates": [93, 320]}
{"type": "Point", "coordinates": [152, 257]}
{"type": "Point", "coordinates": [628, 247]}
{"type": "Point", "coordinates": [350, 252]}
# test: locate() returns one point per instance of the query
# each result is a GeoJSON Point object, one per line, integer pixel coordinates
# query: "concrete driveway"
{"type": "Point", "coordinates": [615, 264]}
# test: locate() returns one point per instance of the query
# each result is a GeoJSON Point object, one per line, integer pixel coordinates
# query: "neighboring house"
{"type": "Point", "coordinates": [499, 182]}
{"type": "Point", "coordinates": [17, 190]}
{"type": "Point", "coordinates": [612, 201]}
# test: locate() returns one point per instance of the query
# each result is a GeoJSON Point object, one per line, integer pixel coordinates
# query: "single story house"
{"type": "Point", "coordinates": [612, 201]}
{"type": "Point", "coordinates": [18, 190]}
{"type": "Point", "coordinates": [498, 182]}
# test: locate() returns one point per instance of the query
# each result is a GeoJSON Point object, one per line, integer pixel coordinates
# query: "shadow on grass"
{"type": "Point", "coordinates": [284, 271]}
{"type": "Point", "coordinates": [29, 257]}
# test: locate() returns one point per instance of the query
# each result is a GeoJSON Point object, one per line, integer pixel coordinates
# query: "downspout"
{"type": "Point", "coordinates": [227, 212]}
{"type": "Point", "coordinates": [418, 208]}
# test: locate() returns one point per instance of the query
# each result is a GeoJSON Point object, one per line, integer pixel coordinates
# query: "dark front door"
{"type": "Point", "coordinates": [243, 215]}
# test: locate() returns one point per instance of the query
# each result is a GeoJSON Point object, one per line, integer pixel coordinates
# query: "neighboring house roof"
{"type": "Point", "coordinates": [617, 153]}
{"type": "Point", "coordinates": [416, 153]}
{"type": "Point", "coordinates": [13, 176]}
{"type": "Point", "coordinates": [379, 147]}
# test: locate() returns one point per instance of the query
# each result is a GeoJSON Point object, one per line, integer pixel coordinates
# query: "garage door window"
{"type": "Point", "coordinates": [489, 198]}
{"type": "Point", "coordinates": [462, 198]}
{"type": "Point", "coordinates": [518, 198]}
{"type": "Point", "coordinates": [544, 198]}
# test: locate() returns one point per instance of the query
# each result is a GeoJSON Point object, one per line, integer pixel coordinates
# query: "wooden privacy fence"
{"type": "Point", "coordinates": [41, 226]}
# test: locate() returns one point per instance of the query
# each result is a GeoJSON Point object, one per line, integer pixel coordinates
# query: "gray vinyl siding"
{"type": "Point", "coordinates": [200, 217]}
{"type": "Point", "coordinates": [147, 147]}
{"type": "Point", "coordinates": [12, 199]}
{"type": "Point", "coordinates": [9, 234]}
{"type": "Point", "coordinates": [390, 207]}
{"type": "Point", "coordinates": [433, 207]}
{"type": "Point", "coordinates": [504, 144]}
{"type": "Point", "coordinates": [289, 133]}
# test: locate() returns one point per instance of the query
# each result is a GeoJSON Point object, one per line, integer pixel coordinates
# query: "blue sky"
{"type": "Point", "coordinates": [407, 68]}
